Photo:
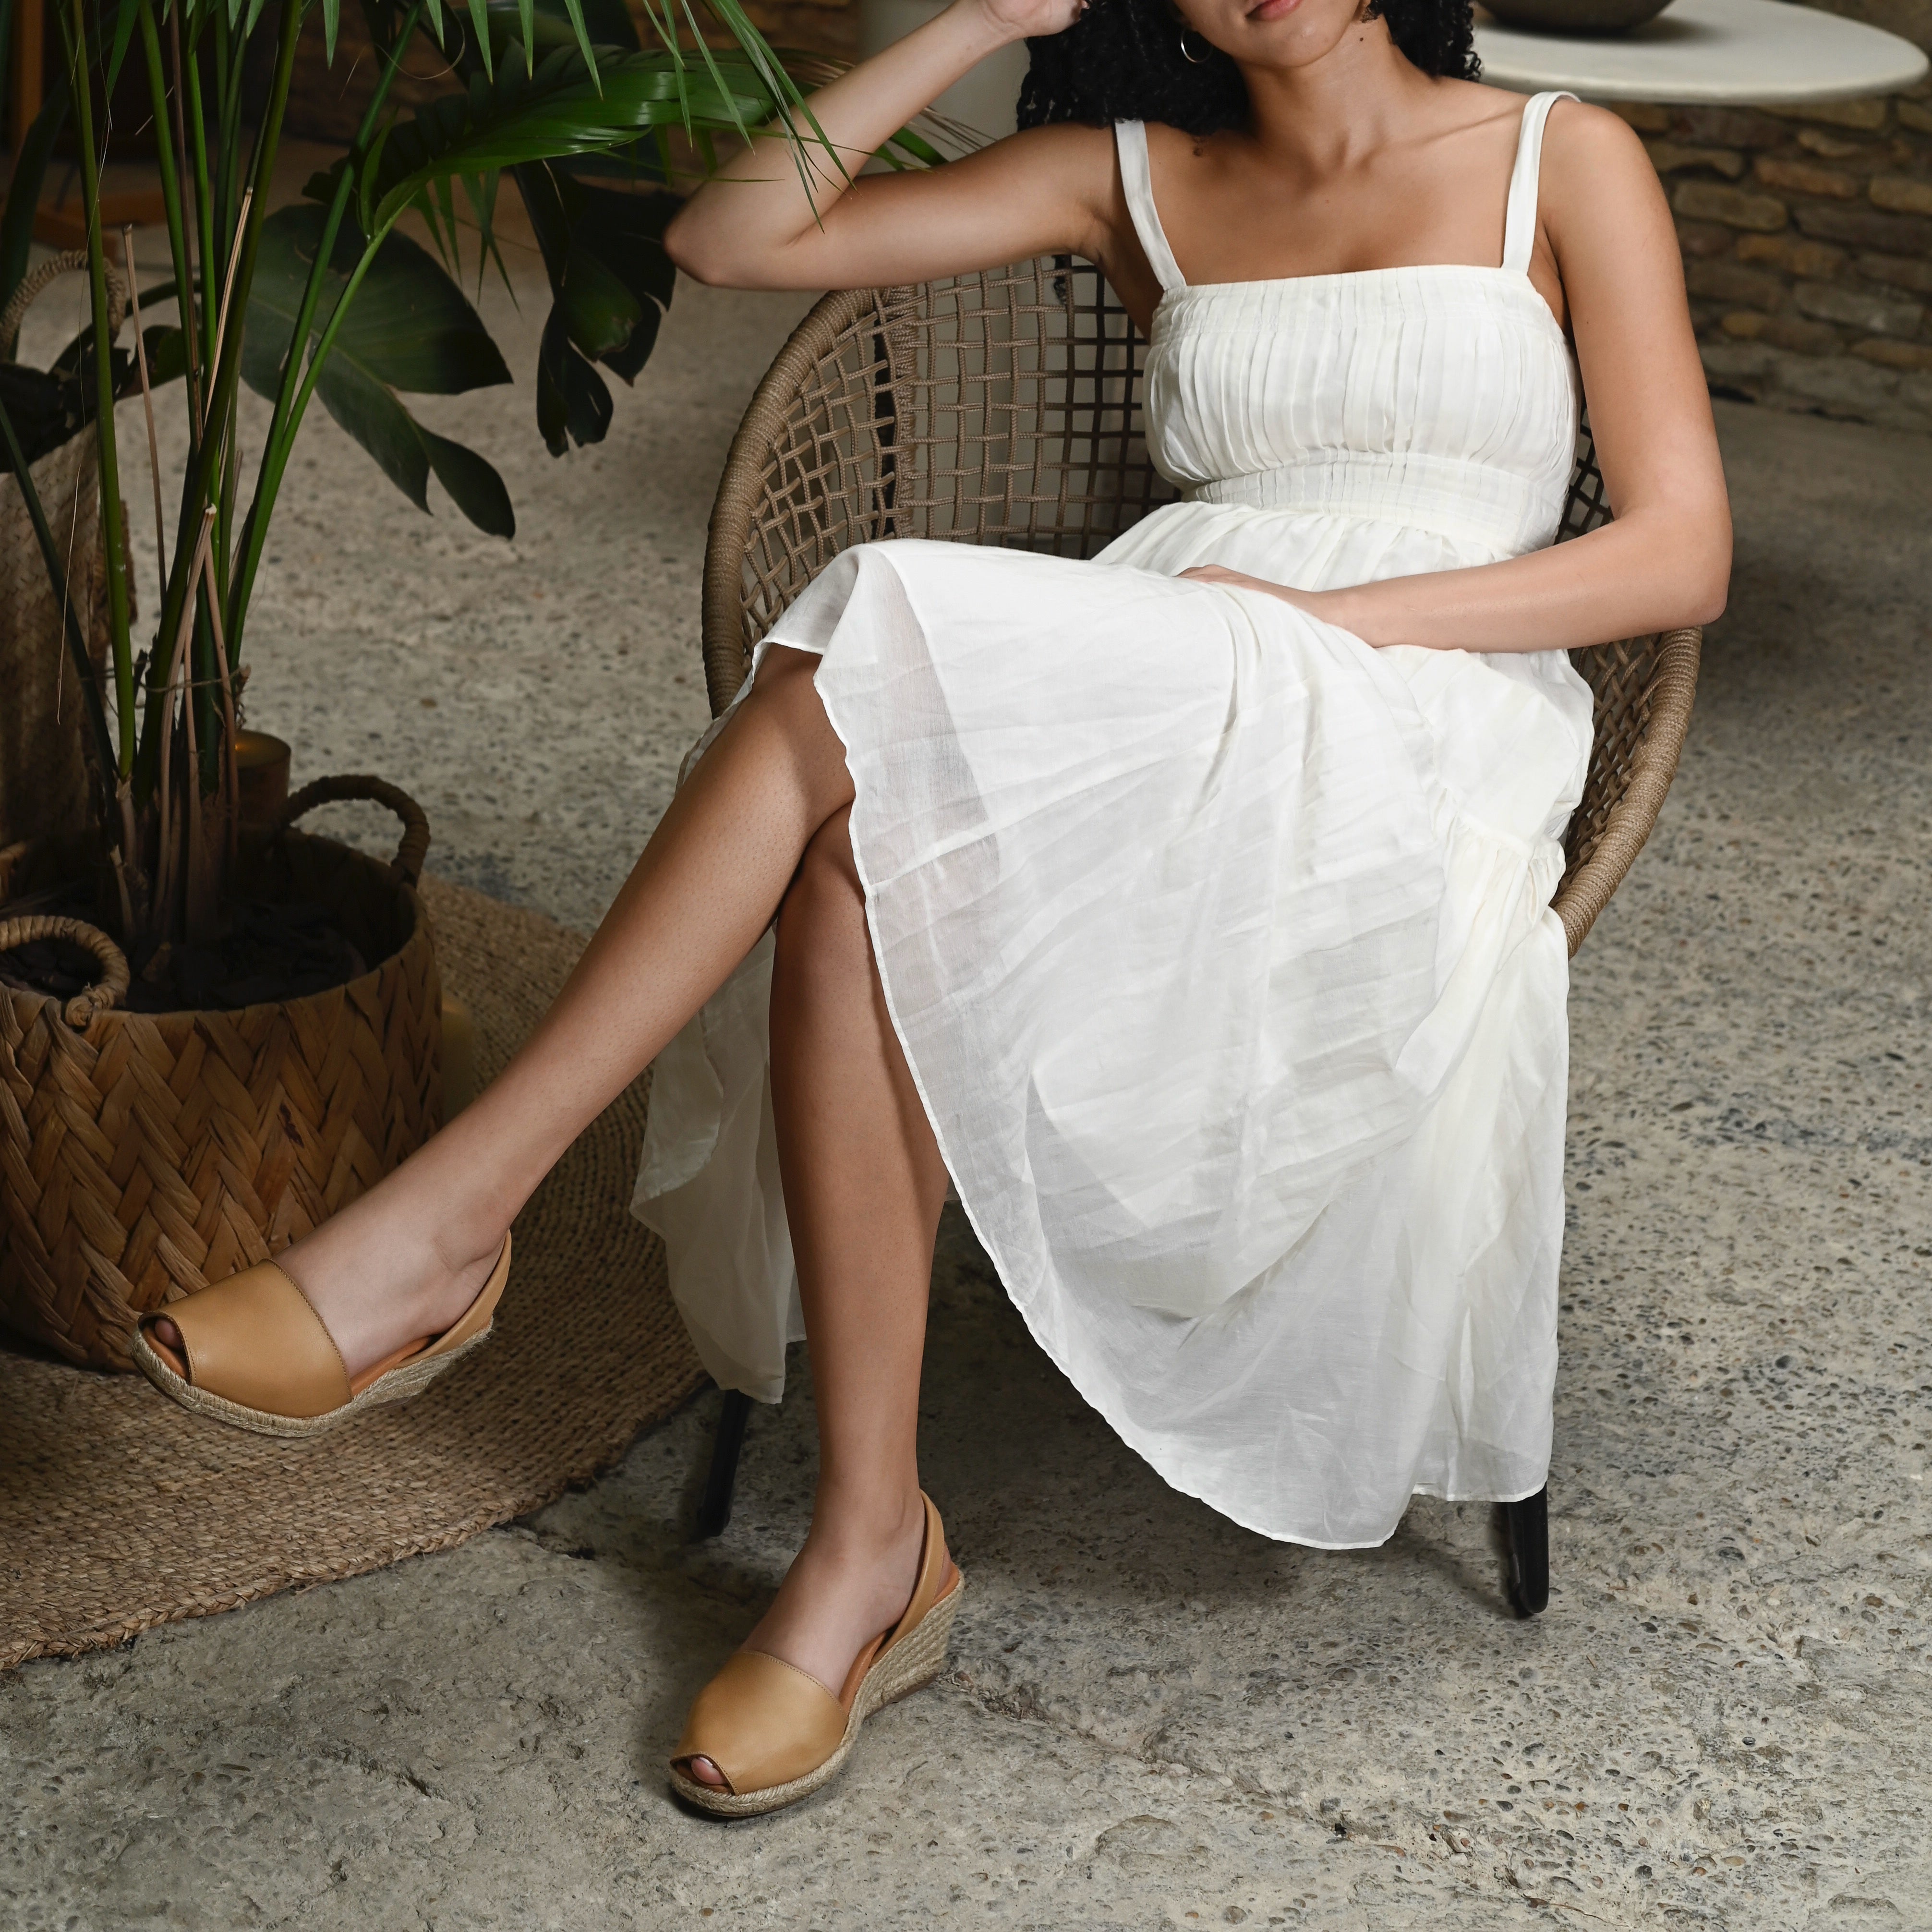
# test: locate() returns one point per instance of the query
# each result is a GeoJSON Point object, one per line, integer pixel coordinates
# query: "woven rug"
{"type": "Point", "coordinates": [119, 1510]}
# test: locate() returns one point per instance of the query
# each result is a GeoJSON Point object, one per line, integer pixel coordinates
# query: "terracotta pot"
{"type": "Point", "coordinates": [144, 1156]}
{"type": "Point", "coordinates": [261, 777]}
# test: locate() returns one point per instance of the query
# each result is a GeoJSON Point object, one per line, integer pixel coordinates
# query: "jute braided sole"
{"type": "Point", "coordinates": [906, 1667]}
{"type": "Point", "coordinates": [410, 1378]}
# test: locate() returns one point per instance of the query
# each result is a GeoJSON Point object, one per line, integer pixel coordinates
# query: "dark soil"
{"type": "Point", "coordinates": [269, 952]}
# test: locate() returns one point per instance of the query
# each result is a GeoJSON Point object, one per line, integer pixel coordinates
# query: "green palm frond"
{"type": "Point", "coordinates": [410, 329]}
{"type": "Point", "coordinates": [562, 109]}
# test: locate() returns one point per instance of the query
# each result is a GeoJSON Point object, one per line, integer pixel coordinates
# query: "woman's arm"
{"type": "Point", "coordinates": [754, 225]}
{"type": "Point", "coordinates": [1665, 560]}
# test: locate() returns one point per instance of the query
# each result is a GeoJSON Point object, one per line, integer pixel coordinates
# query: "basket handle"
{"type": "Point", "coordinates": [410, 854]}
{"type": "Point", "coordinates": [73, 263]}
{"type": "Point", "coordinates": [105, 992]}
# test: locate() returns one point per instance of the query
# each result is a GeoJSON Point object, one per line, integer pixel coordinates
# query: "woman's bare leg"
{"type": "Point", "coordinates": [864, 1185]}
{"type": "Point", "coordinates": [407, 1258]}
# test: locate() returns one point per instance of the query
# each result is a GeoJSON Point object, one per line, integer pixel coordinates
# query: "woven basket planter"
{"type": "Point", "coordinates": [145, 1155]}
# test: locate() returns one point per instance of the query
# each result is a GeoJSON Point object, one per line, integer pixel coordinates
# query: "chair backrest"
{"type": "Point", "coordinates": [1005, 407]}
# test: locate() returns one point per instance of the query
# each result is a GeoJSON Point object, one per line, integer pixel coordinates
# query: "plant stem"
{"type": "Point", "coordinates": [164, 864]}
{"type": "Point", "coordinates": [232, 139]}
{"type": "Point", "coordinates": [147, 406]}
{"type": "Point", "coordinates": [230, 429]}
{"type": "Point", "coordinates": [160, 101]}
{"type": "Point", "coordinates": [225, 372]}
{"type": "Point", "coordinates": [189, 69]}
{"type": "Point", "coordinates": [230, 785]}
{"type": "Point", "coordinates": [207, 621]}
{"type": "Point", "coordinates": [80, 86]}
{"type": "Point", "coordinates": [195, 906]}
{"type": "Point", "coordinates": [286, 420]}
{"type": "Point", "coordinates": [231, 117]}
{"type": "Point", "coordinates": [225, 159]}
{"type": "Point", "coordinates": [121, 882]}
{"type": "Point", "coordinates": [231, 216]}
{"type": "Point", "coordinates": [231, 480]}
{"type": "Point", "coordinates": [210, 207]}
{"type": "Point", "coordinates": [128, 856]}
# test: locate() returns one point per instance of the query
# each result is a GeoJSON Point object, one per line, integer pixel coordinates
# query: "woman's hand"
{"type": "Point", "coordinates": [1326, 605]}
{"type": "Point", "coordinates": [1029, 20]}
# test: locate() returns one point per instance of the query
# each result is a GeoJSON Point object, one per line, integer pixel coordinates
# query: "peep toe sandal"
{"type": "Point", "coordinates": [775, 1734]}
{"type": "Point", "coordinates": [255, 1353]}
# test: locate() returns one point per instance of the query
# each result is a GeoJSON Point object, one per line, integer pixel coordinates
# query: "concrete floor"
{"type": "Point", "coordinates": [1154, 1720]}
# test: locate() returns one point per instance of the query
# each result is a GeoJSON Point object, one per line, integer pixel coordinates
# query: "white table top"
{"type": "Point", "coordinates": [1770, 51]}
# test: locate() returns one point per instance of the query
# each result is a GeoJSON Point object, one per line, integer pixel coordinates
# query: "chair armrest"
{"type": "Point", "coordinates": [1586, 886]}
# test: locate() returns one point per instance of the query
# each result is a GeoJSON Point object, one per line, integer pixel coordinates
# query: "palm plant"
{"type": "Point", "coordinates": [326, 300]}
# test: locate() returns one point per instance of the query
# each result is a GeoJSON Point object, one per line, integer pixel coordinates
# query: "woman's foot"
{"type": "Point", "coordinates": [852, 1579]}
{"type": "Point", "coordinates": [379, 1278]}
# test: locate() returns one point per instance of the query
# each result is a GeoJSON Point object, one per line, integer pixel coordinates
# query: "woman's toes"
{"type": "Point", "coordinates": [167, 1333]}
{"type": "Point", "coordinates": [703, 1771]}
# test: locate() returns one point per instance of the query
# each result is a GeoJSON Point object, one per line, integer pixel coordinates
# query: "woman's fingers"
{"type": "Point", "coordinates": [1037, 20]}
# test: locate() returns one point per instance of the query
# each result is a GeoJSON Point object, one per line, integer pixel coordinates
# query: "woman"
{"type": "Point", "coordinates": [1188, 907]}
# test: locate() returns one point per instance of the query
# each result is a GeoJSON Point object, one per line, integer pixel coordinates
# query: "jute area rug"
{"type": "Point", "coordinates": [119, 1510]}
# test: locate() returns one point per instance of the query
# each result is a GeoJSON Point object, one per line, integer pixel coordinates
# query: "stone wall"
{"type": "Point", "coordinates": [1806, 235]}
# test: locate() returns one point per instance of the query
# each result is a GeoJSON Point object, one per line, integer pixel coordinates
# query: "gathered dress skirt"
{"type": "Point", "coordinates": [1219, 947]}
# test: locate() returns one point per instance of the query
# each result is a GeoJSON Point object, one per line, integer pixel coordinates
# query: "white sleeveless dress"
{"type": "Point", "coordinates": [1218, 941]}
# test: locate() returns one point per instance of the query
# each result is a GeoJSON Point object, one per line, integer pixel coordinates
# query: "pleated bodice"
{"type": "Point", "coordinates": [1439, 399]}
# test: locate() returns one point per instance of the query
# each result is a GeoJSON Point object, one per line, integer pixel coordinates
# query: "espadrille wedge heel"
{"type": "Point", "coordinates": [255, 1353]}
{"type": "Point", "coordinates": [776, 1735]}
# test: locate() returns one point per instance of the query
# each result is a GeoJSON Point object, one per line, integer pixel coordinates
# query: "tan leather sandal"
{"type": "Point", "coordinates": [254, 1353]}
{"type": "Point", "coordinates": [776, 1734]}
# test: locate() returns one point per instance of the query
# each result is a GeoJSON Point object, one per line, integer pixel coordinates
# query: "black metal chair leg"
{"type": "Point", "coordinates": [1527, 1526]}
{"type": "Point", "coordinates": [714, 1507]}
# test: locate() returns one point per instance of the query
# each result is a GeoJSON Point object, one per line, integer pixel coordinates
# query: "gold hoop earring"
{"type": "Point", "coordinates": [1194, 60]}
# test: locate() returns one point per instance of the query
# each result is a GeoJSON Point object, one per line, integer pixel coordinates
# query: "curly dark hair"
{"type": "Point", "coordinates": [1121, 60]}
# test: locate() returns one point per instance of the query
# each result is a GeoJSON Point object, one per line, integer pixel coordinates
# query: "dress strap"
{"type": "Point", "coordinates": [1519, 224]}
{"type": "Point", "coordinates": [1137, 182]}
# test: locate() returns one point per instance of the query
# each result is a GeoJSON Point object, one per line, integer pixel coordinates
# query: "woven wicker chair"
{"type": "Point", "coordinates": [1004, 407]}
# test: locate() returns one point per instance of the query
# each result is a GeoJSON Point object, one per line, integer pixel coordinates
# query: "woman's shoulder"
{"type": "Point", "coordinates": [1581, 143]}
{"type": "Point", "coordinates": [1587, 148]}
{"type": "Point", "coordinates": [1598, 196]}
{"type": "Point", "coordinates": [1572, 121]}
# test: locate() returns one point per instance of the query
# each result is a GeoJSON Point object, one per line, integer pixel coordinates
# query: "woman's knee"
{"type": "Point", "coordinates": [784, 663]}
{"type": "Point", "coordinates": [785, 699]}
{"type": "Point", "coordinates": [786, 682]}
